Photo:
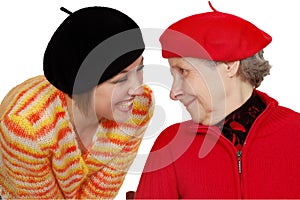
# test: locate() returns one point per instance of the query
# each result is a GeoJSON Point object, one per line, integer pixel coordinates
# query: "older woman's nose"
{"type": "Point", "coordinates": [175, 95]}
{"type": "Point", "coordinates": [176, 89]}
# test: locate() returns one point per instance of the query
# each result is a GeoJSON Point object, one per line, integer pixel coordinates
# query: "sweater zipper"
{"type": "Point", "coordinates": [239, 163]}
{"type": "Point", "coordinates": [239, 158]}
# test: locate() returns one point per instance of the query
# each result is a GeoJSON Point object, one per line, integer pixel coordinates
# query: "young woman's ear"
{"type": "Point", "coordinates": [232, 68]}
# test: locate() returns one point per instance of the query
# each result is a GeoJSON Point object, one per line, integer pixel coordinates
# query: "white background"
{"type": "Point", "coordinates": [26, 27]}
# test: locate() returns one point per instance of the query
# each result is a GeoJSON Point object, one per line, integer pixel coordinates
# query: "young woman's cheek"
{"type": "Point", "coordinates": [119, 94]}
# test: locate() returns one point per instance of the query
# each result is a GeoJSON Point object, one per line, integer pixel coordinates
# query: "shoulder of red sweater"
{"type": "Point", "coordinates": [168, 134]}
{"type": "Point", "coordinates": [284, 112]}
{"type": "Point", "coordinates": [271, 102]}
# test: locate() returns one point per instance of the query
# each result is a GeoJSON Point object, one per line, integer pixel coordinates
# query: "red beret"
{"type": "Point", "coordinates": [214, 36]}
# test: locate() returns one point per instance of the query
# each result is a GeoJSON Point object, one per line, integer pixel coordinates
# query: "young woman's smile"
{"type": "Point", "coordinates": [114, 98]}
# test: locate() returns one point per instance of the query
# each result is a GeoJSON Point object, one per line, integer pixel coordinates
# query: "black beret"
{"type": "Point", "coordinates": [91, 45]}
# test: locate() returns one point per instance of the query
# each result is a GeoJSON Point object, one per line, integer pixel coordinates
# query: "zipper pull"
{"type": "Point", "coordinates": [239, 157]}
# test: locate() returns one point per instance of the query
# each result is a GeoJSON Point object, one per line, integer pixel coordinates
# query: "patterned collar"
{"type": "Point", "coordinates": [237, 124]}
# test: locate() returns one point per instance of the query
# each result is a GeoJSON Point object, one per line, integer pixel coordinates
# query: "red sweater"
{"type": "Point", "coordinates": [269, 166]}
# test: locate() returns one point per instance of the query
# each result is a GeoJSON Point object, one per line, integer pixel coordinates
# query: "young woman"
{"type": "Point", "coordinates": [74, 132]}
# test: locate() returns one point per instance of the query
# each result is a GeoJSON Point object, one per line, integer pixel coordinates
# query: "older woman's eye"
{"type": "Point", "coordinates": [182, 71]}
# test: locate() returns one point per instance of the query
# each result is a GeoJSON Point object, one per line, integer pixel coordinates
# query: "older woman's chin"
{"type": "Point", "coordinates": [208, 120]}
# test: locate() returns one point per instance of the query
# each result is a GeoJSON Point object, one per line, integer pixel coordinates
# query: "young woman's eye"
{"type": "Point", "coordinates": [120, 80]}
{"type": "Point", "coordinates": [140, 68]}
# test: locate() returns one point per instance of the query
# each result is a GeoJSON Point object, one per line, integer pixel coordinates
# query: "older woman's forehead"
{"type": "Point", "coordinates": [190, 62]}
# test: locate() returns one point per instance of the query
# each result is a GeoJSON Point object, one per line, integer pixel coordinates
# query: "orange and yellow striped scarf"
{"type": "Point", "coordinates": [40, 157]}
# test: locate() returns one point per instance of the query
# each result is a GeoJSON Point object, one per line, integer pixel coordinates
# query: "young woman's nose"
{"type": "Point", "coordinates": [135, 91]}
{"type": "Point", "coordinates": [135, 87]}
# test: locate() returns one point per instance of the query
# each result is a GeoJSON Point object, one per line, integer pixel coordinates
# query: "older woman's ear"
{"type": "Point", "coordinates": [232, 68]}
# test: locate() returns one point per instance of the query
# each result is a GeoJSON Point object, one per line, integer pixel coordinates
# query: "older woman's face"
{"type": "Point", "coordinates": [198, 85]}
{"type": "Point", "coordinates": [114, 98]}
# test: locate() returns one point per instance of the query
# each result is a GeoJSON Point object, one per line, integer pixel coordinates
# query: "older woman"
{"type": "Point", "coordinates": [240, 143]}
{"type": "Point", "coordinates": [74, 132]}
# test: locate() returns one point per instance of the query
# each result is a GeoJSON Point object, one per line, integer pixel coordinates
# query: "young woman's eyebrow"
{"type": "Point", "coordinates": [141, 63]}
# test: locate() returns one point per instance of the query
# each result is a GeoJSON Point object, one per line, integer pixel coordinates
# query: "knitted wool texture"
{"type": "Point", "coordinates": [39, 155]}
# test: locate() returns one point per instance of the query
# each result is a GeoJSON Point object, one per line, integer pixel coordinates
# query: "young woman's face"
{"type": "Point", "coordinates": [114, 98]}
